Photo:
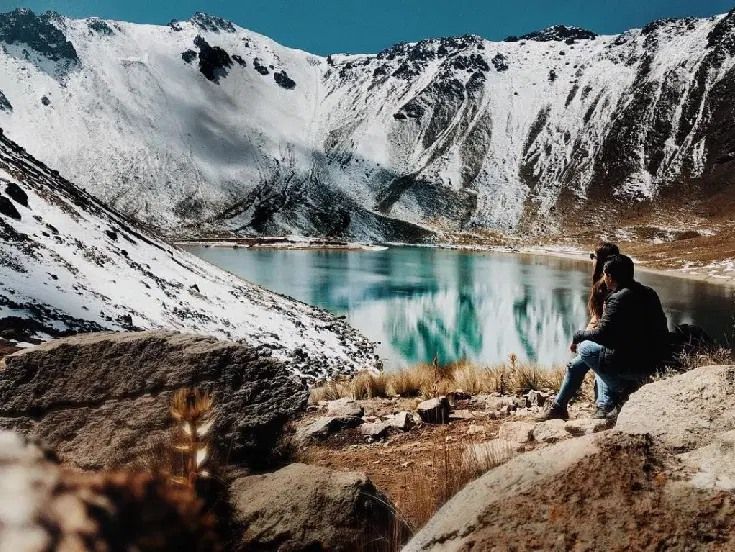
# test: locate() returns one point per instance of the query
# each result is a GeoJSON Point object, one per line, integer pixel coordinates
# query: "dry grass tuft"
{"type": "Point", "coordinates": [450, 467]}
{"type": "Point", "coordinates": [432, 380]}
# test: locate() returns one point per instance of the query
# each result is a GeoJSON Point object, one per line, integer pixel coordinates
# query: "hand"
{"type": "Point", "coordinates": [573, 347]}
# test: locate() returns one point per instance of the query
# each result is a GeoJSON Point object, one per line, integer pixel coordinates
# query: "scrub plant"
{"type": "Point", "coordinates": [191, 409]}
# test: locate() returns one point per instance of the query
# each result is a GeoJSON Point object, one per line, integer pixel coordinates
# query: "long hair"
{"type": "Point", "coordinates": [603, 252]}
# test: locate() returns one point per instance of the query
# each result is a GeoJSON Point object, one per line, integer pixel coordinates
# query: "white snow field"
{"type": "Point", "coordinates": [195, 128]}
{"type": "Point", "coordinates": [68, 263]}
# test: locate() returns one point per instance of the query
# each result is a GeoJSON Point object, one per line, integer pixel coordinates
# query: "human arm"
{"type": "Point", "coordinates": [609, 326]}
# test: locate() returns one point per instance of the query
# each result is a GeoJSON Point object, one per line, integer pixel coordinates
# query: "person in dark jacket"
{"type": "Point", "coordinates": [625, 347]}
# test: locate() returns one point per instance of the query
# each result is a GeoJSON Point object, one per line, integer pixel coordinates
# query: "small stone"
{"type": "Point", "coordinates": [345, 407]}
{"type": "Point", "coordinates": [324, 426]}
{"type": "Point", "coordinates": [434, 411]}
{"type": "Point", "coordinates": [550, 431]}
{"type": "Point", "coordinates": [536, 398]}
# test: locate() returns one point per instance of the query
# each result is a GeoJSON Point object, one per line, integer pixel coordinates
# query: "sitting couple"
{"type": "Point", "coordinates": [624, 342]}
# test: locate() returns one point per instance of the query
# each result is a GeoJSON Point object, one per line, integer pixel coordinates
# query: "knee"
{"type": "Point", "coordinates": [588, 348]}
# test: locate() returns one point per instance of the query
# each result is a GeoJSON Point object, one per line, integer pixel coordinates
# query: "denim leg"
{"type": "Point", "coordinates": [616, 387]}
{"type": "Point", "coordinates": [588, 358]}
{"type": "Point", "coordinates": [604, 400]}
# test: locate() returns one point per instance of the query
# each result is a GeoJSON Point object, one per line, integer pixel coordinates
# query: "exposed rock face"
{"type": "Point", "coordinates": [598, 492]}
{"type": "Point", "coordinates": [214, 62]}
{"type": "Point", "coordinates": [44, 507]}
{"type": "Point", "coordinates": [685, 412]}
{"type": "Point", "coordinates": [300, 508]}
{"type": "Point", "coordinates": [5, 103]}
{"type": "Point", "coordinates": [23, 27]}
{"type": "Point", "coordinates": [70, 264]}
{"type": "Point", "coordinates": [401, 145]}
{"type": "Point", "coordinates": [102, 400]}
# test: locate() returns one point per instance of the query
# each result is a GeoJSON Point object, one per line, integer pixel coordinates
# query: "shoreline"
{"type": "Point", "coordinates": [561, 252]}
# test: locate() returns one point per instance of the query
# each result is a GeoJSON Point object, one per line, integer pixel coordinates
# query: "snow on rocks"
{"type": "Point", "coordinates": [439, 134]}
{"type": "Point", "coordinates": [70, 264]}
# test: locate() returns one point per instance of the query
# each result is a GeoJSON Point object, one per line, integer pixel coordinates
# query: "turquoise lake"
{"type": "Point", "coordinates": [420, 302]}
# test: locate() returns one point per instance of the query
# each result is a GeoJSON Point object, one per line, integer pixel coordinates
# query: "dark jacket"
{"type": "Point", "coordinates": [633, 331]}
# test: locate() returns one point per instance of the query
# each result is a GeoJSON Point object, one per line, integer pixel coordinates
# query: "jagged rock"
{"type": "Point", "coordinates": [491, 402]}
{"type": "Point", "coordinates": [189, 55]}
{"type": "Point", "coordinates": [8, 209]}
{"type": "Point", "coordinates": [377, 430]}
{"type": "Point", "coordinates": [283, 80]}
{"type": "Point", "coordinates": [100, 27]}
{"type": "Point", "coordinates": [434, 411]}
{"type": "Point", "coordinates": [300, 508]}
{"type": "Point", "coordinates": [102, 400]}
{"type": "Point", "coordinates": [16, 194]}
{"type": "Point", "coordinates": [212, 23]}
{"type": "Point", "coordinates": [345, 407]}
{"type": "Point", "coordinates": [45, 507]}
{"type": "Point", "coordinates": [5, 103]}
{"type": "Point", "coordinates": [213, 60]}
{"type": "Point", "coordinates": [401, 420]}
{"type": "Point", "coordinates": [324, 426]}
{"type": "Point", "coordinates": [550, 431]}
{"type": "Point", "coordinates": [517, 432]}
{"type": "Point", "coordinates": [537, 398]}
{"type": "Point", "coordinates": [22, 26]}
{"type": "Point", "coordinates": [259, 67]}
{"type": "Point", "coordinates": [686, 411]}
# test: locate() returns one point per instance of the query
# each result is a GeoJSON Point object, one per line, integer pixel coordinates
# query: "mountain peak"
{"type": "Point", "coordinates": [212, 23]}
{"type": "Point", "coordinates": [39, 32]}
{"type": "Point", "coordinates": [556, 33]}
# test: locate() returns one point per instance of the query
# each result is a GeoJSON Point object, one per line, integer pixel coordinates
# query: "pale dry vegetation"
{"type": "Point", "coordinates": [431, 380]}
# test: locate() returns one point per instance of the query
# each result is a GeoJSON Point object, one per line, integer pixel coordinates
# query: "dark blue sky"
{"type": "Point", "coordinates": [326, 26]}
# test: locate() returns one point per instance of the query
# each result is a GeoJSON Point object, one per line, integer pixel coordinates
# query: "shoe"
{"type": "Point", "coordinates": [606, 412]}
{"type": "Point", "coordinates": [555, 412]}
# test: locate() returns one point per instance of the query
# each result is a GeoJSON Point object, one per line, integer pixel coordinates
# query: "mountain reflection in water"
{"type": "Point", "coordinates": [420, 302]}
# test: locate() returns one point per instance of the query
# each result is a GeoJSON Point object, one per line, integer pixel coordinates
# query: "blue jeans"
{"type": "Point", "coordinates": [610, 387]}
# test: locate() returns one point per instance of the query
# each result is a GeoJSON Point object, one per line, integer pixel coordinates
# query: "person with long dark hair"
{"type": "Point", "coordinates": [595, 308]}
{"type": "Point", "coordinates": [624, 348]}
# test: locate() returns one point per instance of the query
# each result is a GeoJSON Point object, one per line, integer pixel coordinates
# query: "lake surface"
{"type": "Point", "coordinates": [420, 302]}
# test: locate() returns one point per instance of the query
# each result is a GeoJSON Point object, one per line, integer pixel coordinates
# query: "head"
{"type": "Point", "coordinates": [619, 272]}
{"type": "Point", "coordinates": [603, 252]}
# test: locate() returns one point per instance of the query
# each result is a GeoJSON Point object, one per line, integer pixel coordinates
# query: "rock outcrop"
{"type": "Point", "coordinates": [102, 400]}
{"type": "Point", "coordinates": [304, 507]}
{"type": "Point", "coordinates": [685, 412]}
{"type": "Point", "coordinates": [669, 459]}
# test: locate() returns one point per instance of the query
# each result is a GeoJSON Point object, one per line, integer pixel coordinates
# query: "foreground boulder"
{"type": "Point", "coordinates": [303, 507]}
{"type": "Point", "coordinates": [44, 507]}
{"type": "Point", "coordinates": [607, 491]}
{"type": "Point", "coordinates": [102, 400]}
{"type": "Point", "coordinates": [686, 411]}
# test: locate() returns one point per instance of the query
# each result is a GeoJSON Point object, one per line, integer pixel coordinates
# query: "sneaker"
{"type": "Point", "coordinates": [606, 412]}
{"type": "Point", "coordinates": [555, 412]}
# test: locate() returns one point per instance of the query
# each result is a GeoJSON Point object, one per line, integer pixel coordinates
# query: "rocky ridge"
{"type": "Point", "coordinates": [70, 264]}
{"type": "Point", "coordinates": [456, 134]}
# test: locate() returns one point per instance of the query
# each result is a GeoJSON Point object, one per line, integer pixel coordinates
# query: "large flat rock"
{"type": "Point", "coordinates": [303, 508]}
{"type": "Point", "coordinates": [686, 411]}
{"type": "Point", "coordinates": [102, 400]}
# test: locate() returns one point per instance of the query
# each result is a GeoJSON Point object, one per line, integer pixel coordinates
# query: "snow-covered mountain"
{"type": "Point", "coordinates": [68, 264]}
{"type": "Point", "coordinates": [204, 126]}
